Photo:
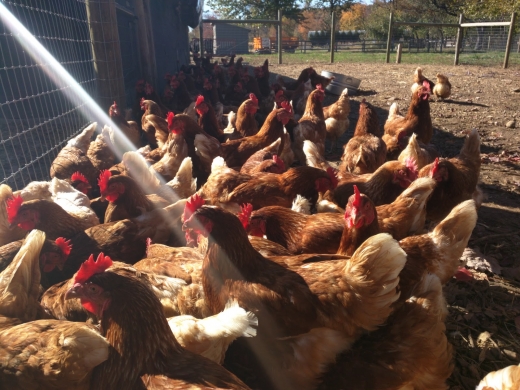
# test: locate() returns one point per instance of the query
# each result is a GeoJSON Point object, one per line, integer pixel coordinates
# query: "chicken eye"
{"type": "Point", "coordinates": [93, 288]}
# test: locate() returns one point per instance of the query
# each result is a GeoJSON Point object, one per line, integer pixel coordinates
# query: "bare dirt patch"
{"type": "Point", "coordinates": [484, 314]}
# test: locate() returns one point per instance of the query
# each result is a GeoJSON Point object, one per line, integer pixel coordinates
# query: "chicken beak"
{"type": "Point", "coordinates": [355, 217]}
{"type": "Point", "coordinates": [74, 291]}
{"type": "Point", "coordinates": [102, 198]}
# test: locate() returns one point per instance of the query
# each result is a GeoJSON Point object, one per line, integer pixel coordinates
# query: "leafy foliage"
{"type": "Point", "coordinates": [255, 9]}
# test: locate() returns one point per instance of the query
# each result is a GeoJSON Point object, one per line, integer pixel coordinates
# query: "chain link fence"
{"type": "Point", "coordinates": [36, 117]}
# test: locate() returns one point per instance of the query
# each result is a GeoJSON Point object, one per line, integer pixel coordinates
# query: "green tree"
{"type": "Point", "coordinates": [336, 6]}
{"type": "Point", "coordinates": [478, 9]}
{"type": "Point", "coordinates": [256, 9]}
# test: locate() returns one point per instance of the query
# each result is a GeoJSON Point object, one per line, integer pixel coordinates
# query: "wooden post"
{"type": "Point", "coordinates": [389, 41]}
{"type": "Point", "coordinates": [332, 36]}
{"type": "Point", "coordinates": [279, 36]}
{"type": "Point", "coordinates": [145, 40]}
{"type": "Point", "coordinates": [398, 58]}
{"type": "Point", "coordinates": [106, 51]}
{"type": "Point", "coordinates": [459, 41]}
{"type": "Point", "coordinates": [509, 40]}
{"type": "Point", "coordinates": [201, 39]}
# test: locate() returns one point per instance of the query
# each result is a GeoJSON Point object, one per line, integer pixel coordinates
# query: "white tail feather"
{"type": "Point", "coordinates": [139, 170]}
{"type": "Point", "coordinates": [82, 141]}
{"type": "Point", "coordinates": [301, 205]}
{"type": "Point", "coordinates": [217, 164]}
{"type": "Point", "coordinates": [183, 183]}
{"type": "Point", "coordinates": [313, 156]}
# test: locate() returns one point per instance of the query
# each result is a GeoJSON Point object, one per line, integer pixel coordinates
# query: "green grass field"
{"type": "Point", "coordinates": [482, 59]}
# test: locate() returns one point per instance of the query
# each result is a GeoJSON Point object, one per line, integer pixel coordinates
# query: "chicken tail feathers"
{"type": "Point", "coordinates": [139, 170]}
{"type": "Point", "coordinates": [419, 192]}
{"type": "Point", "coordinates": [20, 281]}
{"type": "Point", "coordinates": [183, 183]}
{"type": "Point", "coordinates": [451, 236]}
{"type": "Point", "coordinates": [471, 148]}
{"type": "Point", "coordinates": [373, 273]}
{"type": "Point", "coordinates": [313, 156]}
{"type": "Point", "coordinates": [301, 205]}
{"type": "Point", "coordinates": [393, 111]}
{"type": "Point", "coordinates": [82, 141]}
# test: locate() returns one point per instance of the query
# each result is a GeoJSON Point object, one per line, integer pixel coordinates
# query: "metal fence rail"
{"type": "Point", "coordinates": [36, 118]}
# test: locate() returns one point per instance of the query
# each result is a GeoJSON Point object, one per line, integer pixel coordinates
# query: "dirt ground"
{"type": "Point", "coordinates": [484, 313]}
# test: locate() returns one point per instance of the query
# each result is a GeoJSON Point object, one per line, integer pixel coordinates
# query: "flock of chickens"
{"type": "Point", "coordinates": [225, 222]}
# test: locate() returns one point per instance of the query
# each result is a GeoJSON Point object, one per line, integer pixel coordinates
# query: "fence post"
{"type": "Point", "coordinates": [279, 37]}
{"type": "Point", "coordinates": [107, 52]}
{"type": "Point", "coordinates": [389, 41]}
{"type": "Point", "coordinates": [398, 58]}
{"type": "Point", "coordinates": [201, 38]}
{"type": "Point", "coordinates": [332, 36]}
{"type": "Point", "coordinates": [458, 42]}
{"type": "Point", "coordinates": [509, 40]}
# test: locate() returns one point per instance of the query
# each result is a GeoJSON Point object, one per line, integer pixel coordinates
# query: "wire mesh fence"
{"type": "Point", "coordinates": [37, 118]}
{"type": "Point", "coordinates": [487, 45]}
{"type": "Point", "coordinates": [480, 45]}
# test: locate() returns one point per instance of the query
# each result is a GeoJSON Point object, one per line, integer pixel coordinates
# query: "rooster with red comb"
{"type": "Point", "coordinates": [144, 347]}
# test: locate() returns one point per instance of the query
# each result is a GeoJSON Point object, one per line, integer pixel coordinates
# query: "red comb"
{"type": "Point", "coordinates": [287, 106]}
{"type": "Point", "coordinates": [411, 164]}
{"type": "Point", "coordinates": [91, 267]}
{"type": "Point", "coordinates": [279, 93]}
{"type": "Point", "coordinates": [170, 117]}
{"type": "Point", "coordinates": [64, 245]}
{"type": "Point", "coordinates": [245, 214]}
{"type": "Point", "coordinates": [319, 87]}
{"type": "Point", "coordinates": [79, 176]}
{"type": "Point", "coordinates": [333, 178]}
{"type": "Point", "coordinates": [104, 176]}
{"type": "Point", "coordinates": [357, 197]}
{"type": "Point", "coordinates": [200, 99]}
{"type": "Point", "coordinates": [435, 167]}
{"type": "Point", "coordinates": [194, 203]}
{"type": "Point", "coordinates": [426, 85]}
{"type": "Point", "coordinates": [253, 98]}
{"type": "Point", "coordinates": [115, 104]}
{"type": "Point", "coordinates": [13, 205]}
{"type": "Point", "coordinates": [141, 103]}
{"type": "Point", "coordinates": [279, 162]}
